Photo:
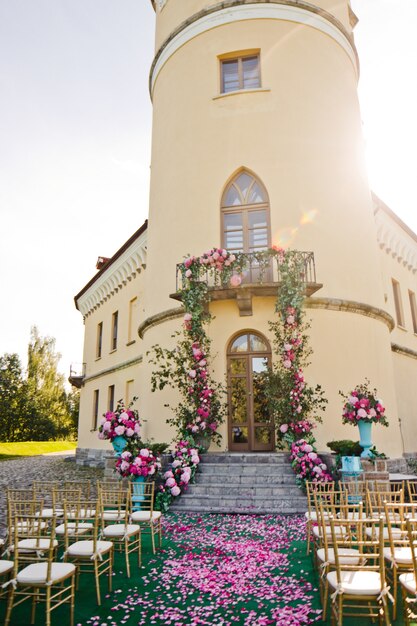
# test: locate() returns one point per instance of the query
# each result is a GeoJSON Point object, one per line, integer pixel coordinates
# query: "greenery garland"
{"type": "Point", "coordinates": [292, 403]}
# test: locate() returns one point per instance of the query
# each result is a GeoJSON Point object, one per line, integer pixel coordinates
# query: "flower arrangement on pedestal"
{"type": "Point", "coordinates": [137, 462]}
{"type": "Point", "coordinates": [123, 422]}
{"type": "Point", "coordinates": [363, 404]}
{"type": "Point", "coordinates": [185, 460]}
{"type": "Point", "coordinates": [363, 408]}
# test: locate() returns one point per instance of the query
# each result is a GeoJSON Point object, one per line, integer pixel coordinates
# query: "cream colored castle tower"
{"type": "Point", "coordinates": [265, 94]}
{"type": "Point", "coordinates": [256, 142]}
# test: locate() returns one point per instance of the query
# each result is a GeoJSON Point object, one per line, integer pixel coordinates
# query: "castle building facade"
{"type": "Point", "coordinates": [257, 142]}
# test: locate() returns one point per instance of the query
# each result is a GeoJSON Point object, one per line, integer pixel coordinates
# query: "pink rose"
{"type": "Point", "coordinates": [175, 491]}
{"type": "Point", "coordinates": [362, 413]}
{"type": "Point", "coordinates": [192, 374]}
{"type": "Point", "coordinates": [283, 428]}
{"type": "Point", "coordinates": [287, 363]}
{"type": "Point", "coordinates": [130, 432]}
{"type": "Point", "coordinates": [170, 482]}
{"type": "Point", "coordinates": [106, 426]}
{"type": "Point", "coordinates": [188, 317]}
{"type": "Point", "coordinates": [168, 474]}
{"type": "Point", "coordinates": [188, 273]}
{"type": "Point", "coordinates": [290, 319]}
{"type": "Point", "coordinates": [235, 280]}
{"type": "Point", "coordinates": [119, 430]}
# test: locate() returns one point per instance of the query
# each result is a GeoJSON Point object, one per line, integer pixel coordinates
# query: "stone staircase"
{"type": "Point", "coordinates": [234, 482]}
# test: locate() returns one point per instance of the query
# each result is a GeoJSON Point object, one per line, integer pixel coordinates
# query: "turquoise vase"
{"type": "Point", "coordinates": [119, 443]}
{"type": "Point", "coordinates": [365, 441]}
{"type": "Point", "coordinates": [351, 464]}
{"type": "Point", "coordinates": [138, 492]}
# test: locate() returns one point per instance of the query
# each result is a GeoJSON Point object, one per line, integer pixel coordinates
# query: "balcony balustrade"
{"type": "Point", "coordinates": [261, 276]}
{"type": "Point", "coordinates": [77, 374]}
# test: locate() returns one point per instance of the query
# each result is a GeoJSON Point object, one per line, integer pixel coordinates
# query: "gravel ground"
{"type": "Point", "coordinates": [20, 474]}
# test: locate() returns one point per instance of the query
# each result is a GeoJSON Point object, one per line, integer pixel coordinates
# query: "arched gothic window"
{"type": "Point", "coordinates": [245, 215]}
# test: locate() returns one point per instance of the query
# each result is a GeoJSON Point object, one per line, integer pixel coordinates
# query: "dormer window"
{"type": "Point", "coordinates": [240, 73]}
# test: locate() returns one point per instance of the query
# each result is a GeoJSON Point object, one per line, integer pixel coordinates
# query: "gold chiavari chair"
{"type": "Point", "coordinates": [375, 501]}
{"type": "Point", "coordinates": [397, 553]}
{"type": "Point", "coordinates": [84, 486]}
{"type": "Point", "coordinates": [44, 581]}
{"type": "Point", "coordinates": [143, 512]}
{"type": "Point", "coordinates": [325, 555]}
{"type": "Point", "coordinates": [314, 489]}
{"type": "Point", "coordinates": [408, 580]}
{"type": "Point", "coordinates": [358, 589]}
{"type": "Point", "coordinates": [411, 490]}
{"type": "Point", "coordinates": [83, 547]}
{"type": "Point", "coordinates": [126, 537]}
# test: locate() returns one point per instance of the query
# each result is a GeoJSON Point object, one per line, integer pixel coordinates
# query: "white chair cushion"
{"type": "Point", "coordinates": [36, 544]}
{"type": "Point", "coordinates": [121, 530]}
{"type": "Point", "coordinates": [23, 526]}
{"type": "Point", "coordinates": [86, 548]}
{"type": "Point", "coordinates": [312, 515]}
{"type": "Point", "coordinates": [35, 574]}
{"type": "Point", "coordinates": [50, 513]}
{"type": "Point", "coordinates": [113, 516]}
{"type": "Point", "coordinates": [360, 583]}
{"type": "Point", "coordinates": [346, 556]}
{"type": "Point", "coordinates": [145, 516]}
{"type": "Point", "coordinates": [317, 531]}
{"type": "Point", "coordinates": [408, 581]}
{"type": "Point", "coordinates": [73, 528]}
{"type": "Point", "coordinates": [401, 555]}
{"type": "Point", "coordinates": [81, 514]}
{"type": "Point", "coordinates": [5, 566]}
{"type": "Point", "coordinates": [395, 532]}
{"type": "Point", "coordinates": [1, 542]}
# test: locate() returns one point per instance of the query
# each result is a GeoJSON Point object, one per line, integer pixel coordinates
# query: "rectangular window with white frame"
{"type": "Point", "coordinates": [110, 398]}
{"type": "Point", "coordinates": [114, 330]}
{"type": "Point", "coordinates": [413, 307]}
{"type": "Point", "coordinates": [133, 320]}
{"type": "Point", "coordinates": [399, 313]}
{"type": "Point", "coordinates": [240, 73]}
{"type": "Point", "coordinates": [96, 400]}
{"type": "Point", "coordinates": [99, 343]}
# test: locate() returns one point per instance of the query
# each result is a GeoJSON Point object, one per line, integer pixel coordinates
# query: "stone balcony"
{"type": "Point", "coordinates": [261, 277]}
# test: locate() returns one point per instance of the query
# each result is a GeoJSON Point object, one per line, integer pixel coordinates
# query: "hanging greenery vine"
{"type": "Point", "coordinates": [293, 404]}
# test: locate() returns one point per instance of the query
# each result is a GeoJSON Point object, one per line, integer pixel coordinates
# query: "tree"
{"type": "Point", "coordinates": [49, 398]}
{"type": "Point", "coordinates": [12, 396]}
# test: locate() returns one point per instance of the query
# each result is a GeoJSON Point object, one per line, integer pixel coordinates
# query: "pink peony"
{"type": "Point", "coordinates": [283, 428]}
{"type": "Point", "coordinates": [188, 273]}
{"type": "Point", "coordinates": [192, 374]}
{"type": "Point", "coordinates": [175, 491]}
{"type": "Point", "coordinates": [119, 430]}
{"type": "Point", "coordinates": [362, 413]}
{"type": "Point", "coordinates": [188, 317]}
{"type": "Point", "coordinates": [170, 482]}
{"type": "Point", "coordinates": [290, 319]}
{"type": "Point", "coordinates": [287, 363]}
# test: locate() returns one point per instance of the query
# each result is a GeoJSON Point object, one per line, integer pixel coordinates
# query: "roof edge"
{"type": "Point", "coordinates": [112, 259]}
{"type": "Point", "coordinates": [380, 204]}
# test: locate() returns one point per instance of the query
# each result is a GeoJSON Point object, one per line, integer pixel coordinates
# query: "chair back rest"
{"type": "Point", "coordinates": [81, 521]}
{"type": "Point", "coordinates": [411, 489]}
{"type": "Point", "coordinates": [44, 488]}
{"type": "Point", "coordinates": [60, 495]}
{"type": "Point", "coordinates": [142, 495]}
{"type": "Point", "coordinates": [114, 505]}
{"type": "Point", "coordinates": [84, 486]}
{"type": "Point", "coordinates": [43, 541]}
{"type": "Point", "coordinates": [366, 536]}
{"type": "Point", "coordinates": [411, 527]}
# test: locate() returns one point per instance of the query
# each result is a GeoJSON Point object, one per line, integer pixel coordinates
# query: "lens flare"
{"type": "Point", "coordinates": [308, 217]}
{"type": "Point", "coordinates": [284, 237]}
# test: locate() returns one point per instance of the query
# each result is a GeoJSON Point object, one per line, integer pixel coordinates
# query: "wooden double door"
{"type": "Point", "coordinates": [251, 428]}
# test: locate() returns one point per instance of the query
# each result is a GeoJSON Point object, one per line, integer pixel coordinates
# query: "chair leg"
{"type": "Point", "coordinates": [33, 610]}
{"type": "Point", "coordinates": [48, 606]}
{"type": "Point", "coordinates": [308, 531]}
{"type": "Point", "coordinates": [97, 579]}
{"type": "Point", "coordinates": [72, 600]}
{"type": "Point", "coordinates": [126, 542]}
{"type": "Point", "coordinates": [394, 592]}
{"type": "Point", "coordinates": [111, 570]}
{"type": "Point", "coordinates": [10, 599]}
{"type": "Point", "coordinates": [153, 538]}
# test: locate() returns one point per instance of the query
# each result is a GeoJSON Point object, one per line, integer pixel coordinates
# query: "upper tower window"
{"type": "Point", "coordinates": [245, 210]}
{"type": "Point", "coordinates": [240, 73]}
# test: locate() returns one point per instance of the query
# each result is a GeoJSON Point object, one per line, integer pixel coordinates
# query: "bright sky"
{"type": "Point", "coordinates": [75, 124]}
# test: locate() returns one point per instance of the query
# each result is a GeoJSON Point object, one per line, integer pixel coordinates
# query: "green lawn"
{"type": "Point", "coordinates": [33, 448]}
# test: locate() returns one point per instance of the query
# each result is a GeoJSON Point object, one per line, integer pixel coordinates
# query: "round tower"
{"type": "Point", "coordinates": [257, 141]}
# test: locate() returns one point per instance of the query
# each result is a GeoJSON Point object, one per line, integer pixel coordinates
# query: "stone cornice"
{"type": "Point", "coordinates": [122, 270]}
{"type": "Point", "coordinates": [350, 306]}
{"type": "Point", "coordinates": [235, 10]}
{"type": "Point", "coordinates": [395, 237]}
{"type": "Point", "coordinates": [331, 304]}
{"type": "Point", "coordinates": [160, 318]}
{"type": "Point", "coordinates": [395, 347]}
{"type": "Point", "coordinates": [115, 368]}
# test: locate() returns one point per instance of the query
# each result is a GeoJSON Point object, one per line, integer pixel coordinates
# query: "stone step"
{"type": "Point", "coordinates": [227, 469]}
{"type": "Point", "coordinates": [210, 478]}
{"type": "Point", "coordinates": [233, 504]}
{"type": "Point", "coordinates": [233, 490]}
{"type": "Point", "coordinates": [261, 458]}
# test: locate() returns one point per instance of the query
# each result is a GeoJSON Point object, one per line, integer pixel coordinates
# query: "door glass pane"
{"type": "Point", "coordinates": [263, 434]}
{"type": "Point", "coordinates": [230, 75]}
{"type": "Point", "coordinates": [243, 181]}
{"type": "Point", "coordinates": [257, 344]}
{"type": "Point", "coordinates": [232, 197]}
{"type": "Point", "coordinates": [240, 434]}
{"type": "Point", "coordinates": [238, 366]}
{"type": "Point", "coordinates": [238, 401]}
{"type": "Point", "coordinates": [250, 67]}
{"type": "Point", "coordinates": [240, 344]}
